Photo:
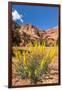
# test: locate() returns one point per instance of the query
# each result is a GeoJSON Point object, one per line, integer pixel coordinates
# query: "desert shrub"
{"type": "Point", "coordinates": [34, 65]}
{"type": "Point", "coordinates": [15, 37]}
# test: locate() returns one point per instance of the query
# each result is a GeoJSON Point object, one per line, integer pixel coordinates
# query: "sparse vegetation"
{"type": "Point", "coordinates": [33, 64]}
{"type": "Point", "coordinates": [33, 53]}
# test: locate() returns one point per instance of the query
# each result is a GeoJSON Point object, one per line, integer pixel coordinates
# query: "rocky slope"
{"type": "Point", "coordinates": [24, 34]}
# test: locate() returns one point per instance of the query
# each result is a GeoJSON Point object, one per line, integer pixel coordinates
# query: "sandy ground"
{"type": "Point", "coordinates": [52, 78]}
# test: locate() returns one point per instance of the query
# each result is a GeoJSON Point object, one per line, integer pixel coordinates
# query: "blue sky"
{"type": "Point", "coordinates": [41, 16]}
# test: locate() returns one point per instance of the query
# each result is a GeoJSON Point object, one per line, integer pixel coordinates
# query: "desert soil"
{"type": "Point", "coordinates": [52, 78]}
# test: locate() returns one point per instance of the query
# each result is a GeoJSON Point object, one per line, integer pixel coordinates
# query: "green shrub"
{"type": "Point", "coordinates": [34, 65]}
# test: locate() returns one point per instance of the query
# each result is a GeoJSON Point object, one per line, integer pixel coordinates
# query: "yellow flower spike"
{"type": "Point", "coordinates": [42, 63]}
{"type": "Point", "coordinates": [43, 47]}
{"type": "Point", "coordinates": [16, 53]}
{"type": "Point", "coordinates": [51, 53]}
{"type": "Point", "coordinates": [25, 60]}
{"type": "Point", "coordinates": [54, 53]}
{"type": "Point", "coordinates": [39, 48]}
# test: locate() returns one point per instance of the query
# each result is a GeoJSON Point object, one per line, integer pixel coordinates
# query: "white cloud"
{"type": "Point", "coordinates": [17, 16]}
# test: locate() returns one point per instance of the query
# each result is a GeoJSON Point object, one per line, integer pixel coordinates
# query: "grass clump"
{"type": "Point", "coordinates": [34, 65]}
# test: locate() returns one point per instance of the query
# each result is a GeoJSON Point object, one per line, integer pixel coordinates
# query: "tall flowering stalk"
{"type": "Point", "coordinates": [34, 63]}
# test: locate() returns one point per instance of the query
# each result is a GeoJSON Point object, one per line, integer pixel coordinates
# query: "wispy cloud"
{"type": "Point", "coordinates": [17, 16]}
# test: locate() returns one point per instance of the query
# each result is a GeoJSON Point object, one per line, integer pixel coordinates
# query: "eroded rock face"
{"type": "Point", "coordinates": [51, 36]}
{"type": "Point", "coordinates": [28, 33]}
